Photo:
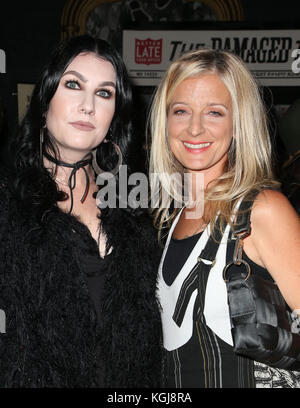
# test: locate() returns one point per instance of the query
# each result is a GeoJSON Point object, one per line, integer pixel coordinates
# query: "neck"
{"type": "Point", "coordinates": [61, 174]}
{"type": "Point", "coordinates": [202, 178]}
{"type": "Point", "coordinates": [72, 180]}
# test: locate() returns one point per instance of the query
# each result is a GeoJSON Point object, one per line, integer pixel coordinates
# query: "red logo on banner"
{"type": "Point", "coordinates": [148, 51]}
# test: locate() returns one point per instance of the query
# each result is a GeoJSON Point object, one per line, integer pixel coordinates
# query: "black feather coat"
{"type": "Point", "coordinates": [51, 334]}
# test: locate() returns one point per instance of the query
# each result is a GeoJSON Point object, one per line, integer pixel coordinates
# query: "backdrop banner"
{"type": "Point", "coordinates": [273, 56]}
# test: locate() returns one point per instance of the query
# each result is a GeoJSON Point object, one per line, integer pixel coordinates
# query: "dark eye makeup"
{"type": "Point", "coordinates": [74, 84]}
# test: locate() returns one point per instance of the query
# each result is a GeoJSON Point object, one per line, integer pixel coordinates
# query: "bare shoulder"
{"type": "Point", "coordinates": [272, 206]}
{"type": "Point", "coordinates": [275, 229]}
{"type": "Point", "coordinates": [274, 242]}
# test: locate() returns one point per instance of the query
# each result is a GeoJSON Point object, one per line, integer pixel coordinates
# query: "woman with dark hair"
{"type": "Point", "coordinates": [77, 285]}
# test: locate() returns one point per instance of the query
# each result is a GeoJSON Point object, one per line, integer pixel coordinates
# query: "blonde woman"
{"type": "Point", "coordinates": [208, 122]}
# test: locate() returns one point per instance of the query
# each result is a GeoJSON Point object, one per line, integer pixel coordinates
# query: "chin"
{"type": "Point", "coordinates": [196, 167]}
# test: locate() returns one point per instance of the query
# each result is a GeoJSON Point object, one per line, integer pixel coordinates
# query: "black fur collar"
{"type": "Point", "coordinates": [52, 337]}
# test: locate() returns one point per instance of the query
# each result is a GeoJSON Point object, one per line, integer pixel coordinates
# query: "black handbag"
{"type": "Point", "coordinates": [263, 326]}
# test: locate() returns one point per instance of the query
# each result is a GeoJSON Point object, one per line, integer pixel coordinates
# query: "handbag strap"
{"type": "Point", "coordinates": [242, 223]}
{"type": "Point", "coordinates": [242, 226]}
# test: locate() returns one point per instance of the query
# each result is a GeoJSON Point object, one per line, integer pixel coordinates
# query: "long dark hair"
{"type": "Point", "coordinates": [33, 183]}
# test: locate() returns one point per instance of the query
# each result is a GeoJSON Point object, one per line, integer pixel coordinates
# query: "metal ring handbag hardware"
{"type": "Point", "coordinates": [212, 264]}
{"type": "Point", "coordinates": [234, 263]}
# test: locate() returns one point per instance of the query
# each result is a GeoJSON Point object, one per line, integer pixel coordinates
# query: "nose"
{"type": "Point", "coordinates": [196, 125]}
{"type": "Point", "coordinates": [87, 105]}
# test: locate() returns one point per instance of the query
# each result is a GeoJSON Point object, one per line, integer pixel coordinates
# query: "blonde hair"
{"type": "Point", "coordinates": [249, 157]}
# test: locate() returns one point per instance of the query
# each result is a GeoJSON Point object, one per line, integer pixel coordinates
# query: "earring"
{"type": "Point", "coordinates": [114, 171]}
{"type": "Point", "coordinates": [41, 144]}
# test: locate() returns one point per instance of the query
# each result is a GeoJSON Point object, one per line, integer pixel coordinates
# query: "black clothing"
{"type": "Point", "coordinates": [205, 361]}
{"type": "Point", "coordinates": [178, 252]}
{"type": "Point", "coordinates": [52, 336]}
{"type": "Point", "coordinates": [95, 269]}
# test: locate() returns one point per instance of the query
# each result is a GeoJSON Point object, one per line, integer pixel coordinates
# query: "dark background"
{"type": "Point", "coordinates": [29, 29]}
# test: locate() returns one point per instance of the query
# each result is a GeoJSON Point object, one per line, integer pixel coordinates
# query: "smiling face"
{"type": "Point", "coordinates": [83, 106]}
{"type": "Point", "coordinates": [200, 124]}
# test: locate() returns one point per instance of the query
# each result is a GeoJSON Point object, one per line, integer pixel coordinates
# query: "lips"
{"type": "Point", "coordinates": [82, 125]}
{"type": "Point", "coordinates": [196, 147]}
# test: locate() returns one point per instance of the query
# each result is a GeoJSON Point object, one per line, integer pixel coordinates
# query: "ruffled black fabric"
{"type": "Point", "coordinates": [130, 313]}
{"type": "Point", "coordinates": [52, 336]}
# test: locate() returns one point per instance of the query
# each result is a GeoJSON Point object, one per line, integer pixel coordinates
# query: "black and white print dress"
{"type": "Point", "coordinates": [199, 352]}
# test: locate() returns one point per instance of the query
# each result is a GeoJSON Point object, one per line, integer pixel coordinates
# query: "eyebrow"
{"type": "Point", "coordinates": [83, 79]}
{"type": "Point", "coordinates": [210, 104]}
{"type": "Point", "coordinates": [218, 104]}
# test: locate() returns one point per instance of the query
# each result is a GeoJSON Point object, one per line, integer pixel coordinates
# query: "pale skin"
{"type": "Point", "coordinates": [200, 131]}
{"type": "Point", "coordinates": [200, 114]}
{"type": "Point", "coordinates": [78, 120]}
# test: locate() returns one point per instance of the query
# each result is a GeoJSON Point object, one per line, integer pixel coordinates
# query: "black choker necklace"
{"type": "Point", "coordinates": [72, 179]}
